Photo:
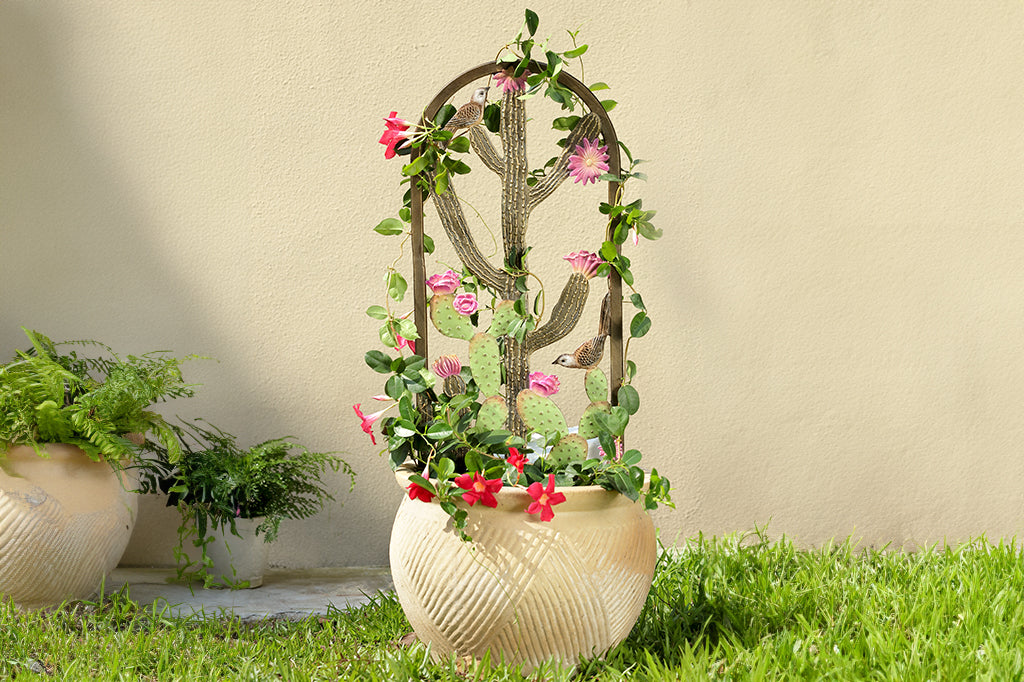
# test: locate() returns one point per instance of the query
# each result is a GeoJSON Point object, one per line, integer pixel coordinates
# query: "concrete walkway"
{"type": "Point", "coordinates": [288, 594]}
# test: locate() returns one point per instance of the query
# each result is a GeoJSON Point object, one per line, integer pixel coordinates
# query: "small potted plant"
{"type": "Point", "coordinates": [228, 496]}
{"type": "Point", "coordinates": [506, 509]}
{"type": "Point", "coordinates": [70, 422]}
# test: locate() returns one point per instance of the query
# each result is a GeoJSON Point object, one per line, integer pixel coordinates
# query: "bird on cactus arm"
{"type": "Point", "coordinates": [590, 351]}
{"type": "Point", "coordinates": [470, 113]}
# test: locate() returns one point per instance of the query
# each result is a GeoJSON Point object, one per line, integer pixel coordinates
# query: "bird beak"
{"type": "Point", "coordinates": [555, 362]}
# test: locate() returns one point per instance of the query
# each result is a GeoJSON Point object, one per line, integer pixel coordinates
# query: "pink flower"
{"type": "Point", "coordinates": [618, 451]}
{"type": "Point", "coordinates": [635, 234]}
{"type": "Point", "coordinates": [395, 134]}
{"type": "Point", "coordinates": [465, 304]}
{"type": "Point", "coordinates": [508, 83]}
{"type": "Point", "coordinates": [478, 490]}
{"type": "Point", "coordinates": [516, 460]}
{"type": "Point", "coordinates": [407, 343]}
{"type": "Point", "coordinates": [368, 420]}
{"type": "Point", "coordinates": [445, 283]}
{"type": "Point", "coordinates": [585, 262]}
{"type": "Point", "coordinates": [545, 384]}
{"type": "Point", "coordinates": [446, 366]}
{"type": "Point", "coordinates": [418, 492]}
{"type": "Point", "coordinates": [544, 498]}
{"type": "Point", "coordinates": [589, 162]}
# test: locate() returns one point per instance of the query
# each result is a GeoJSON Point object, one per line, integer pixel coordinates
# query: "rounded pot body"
{"type": "Point", "coordinates": [65, 521]}
{"type": "Point", "coordinates": [526, 590]}
{"type": "Point", "coordinates": [239, 559]}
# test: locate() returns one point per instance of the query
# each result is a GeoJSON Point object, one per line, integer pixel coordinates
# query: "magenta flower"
{"type": "Point", "coordinates": [446, 366]}
{"type": "Point", "coordinates": [585, 262]}
{"type": "Point", "coordinates": [396, 134]}
{"type": "Point", "coordinates": [405, 343]}
{"type": "Point", "coordinates": [544, 497]}
{"type": "Point", "coordinates": [418, 492]}
{"type": "Point", "coordinates": [545, 384]}
{"type": "Point", "coordinates": [516, 460]}
{"type": "Point", "coordinates": [508, 83]}
{"type": "Point", "coordinates": [465, 304]}
{"type": "Point", "coordinates": [478, 490]}
{"type": "Point", "coordinates": [589, 162]}
{"type": "Point", "coordinates": [445, 283]}
{"type": "Point", "coordinates": [368, 420]}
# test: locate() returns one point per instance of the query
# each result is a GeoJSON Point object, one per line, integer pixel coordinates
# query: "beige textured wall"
{"type": "Point", "coordinates": [837, 298]}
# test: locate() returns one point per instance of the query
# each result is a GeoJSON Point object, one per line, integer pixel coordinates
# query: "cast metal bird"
{"type": "Point", "coordinates": [589, 353]}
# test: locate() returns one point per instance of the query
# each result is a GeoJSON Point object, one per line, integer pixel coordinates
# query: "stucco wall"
{"type": "Point", "coordinates": [837, 299]}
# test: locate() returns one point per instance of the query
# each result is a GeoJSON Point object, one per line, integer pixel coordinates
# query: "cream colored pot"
{"type": "Point", "coordinates": [64, 523]}
{"type": "Point", "coordinates": [527, 590]}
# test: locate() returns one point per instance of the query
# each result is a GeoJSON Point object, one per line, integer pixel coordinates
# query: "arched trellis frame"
{"type": "Point", "coordinates": [615, 338]}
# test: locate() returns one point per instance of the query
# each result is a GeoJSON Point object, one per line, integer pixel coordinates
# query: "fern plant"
{"type": "Point", "coordinates": [50, 396]}
{"type": "Point", "coordinates": [215, 482]}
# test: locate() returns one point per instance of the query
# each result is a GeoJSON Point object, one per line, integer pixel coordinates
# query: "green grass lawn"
{"type": "Point", "coordinates": [731, 609]}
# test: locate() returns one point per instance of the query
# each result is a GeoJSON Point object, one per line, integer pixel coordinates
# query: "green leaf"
{"type": "Point", "coordinates": [441, 182]}
{"type": "Point", "coordinates": [395, 387]}
{"type": "Point", "coordinates": [422, 482]}
{"type": "Point", "coordinates": [608, 251]}
{"type": "Point", "coordinates": [439, 431]}
{"type": "Point", "coordinates": [416, 167]}
{"type": "Point", "coordinates": [397, 286]}
{"type": "Point", "coordinates": [637, 301]}
{"type": "Point", "coordinates": [404, 429]}
{"type": "Point", "coordinates": [389, 226]}
{"type": "Point", "coordinates": [629, 399]}
{"type": "Point", "coordinates": [459, 144]}
{"type": "Point", "coordinates": [377, 312]}
{"type": "Point", "coordinates": [443, 115]}
{"type": "Point", "coordinates": [378, 361]}
{"type": "Point", "coordinates": [640, 325]}
{"type": "Point", "coordinates": [598, 86]}
{"type": "Point", "coordinates": [444, 468]}
{"type": "Point", "coordinates": [532, 21]}
{"type": "Point", "coordinates": [406, 409]}
{"type": "Point", "coordinates": [387, 335]}
{"type": "Point", "coordinates": [407, 330]}
{"type": "Point", "coordinates": [565, 122]}
{"type": "Point", "coordinates": [405, 213]}
{"type": "Point", "coordinates": [492, 118]}
{"type": "Point", "coordinates": [428, 244]}
{"type": "Point", "coordinates": [576, 52]}
{"type": "Point", "coordinates": [631, 458]}
{"type": "Point", "coordinates": [609, 104]}
{"type": "Point", "coordinates": [459, 168]}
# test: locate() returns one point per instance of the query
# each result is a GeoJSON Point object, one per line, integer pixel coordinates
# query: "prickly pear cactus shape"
{"type": "Point", "coordinates": [596, 383]}
{"type": "Point", "coordinates": [506, 279]}
{"type": "Point", "coordinates": [588, 422]}
{"type": "Point", "coordinates": [540, 413]}
{"type": "Point", "coordinates": [492, 415]}
{"type": "Point", "coordinates": [485, 363]}
{"type": "Point", "coordinates": [571, 448]}
{"type": "Point", "coordinates": [504, 315]}
{"type": "Point", "coordinates": [447, 320]}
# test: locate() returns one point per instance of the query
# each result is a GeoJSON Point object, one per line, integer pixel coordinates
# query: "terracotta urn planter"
{"type": "Point", "coordinates": [65, 521]}
{"type": "Point", "coordinates": [527, 590]}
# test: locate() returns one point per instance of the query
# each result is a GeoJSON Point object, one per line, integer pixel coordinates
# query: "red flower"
{"type": "Point", "coordinates": [368, 420]}
{"type": "Point", "coordinates": [516, 460]}
{"type": "Point", "coordinates": [418, 492]}
{"type": "Point", "coordinates": [478, 490]}
{"type": "Point", "coordinates": [544, 498]}
{"type": "Point", "coordinates": [405, 343]}
{"type": "Point", "coordinates": [396, 133]}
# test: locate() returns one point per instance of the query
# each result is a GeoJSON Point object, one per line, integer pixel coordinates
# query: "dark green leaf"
{"type": "Point", "coordinates": [406, 409]}
{"type": "Point", "coordinates": [492, 118]}
{"type": "Point", "coordinates": [640, 325]}
{"type": "Point", "coordinates": [438, 431]}
{"type": "Point", "coordinates": [629, 399]}
{"type": "Point", "coordinates": [630, 369]}
{"type": "Point", "coordinates": [565, 122]}
{"type": "Point", "coordinates": [637, 301]}
{"type": "Point", "coordinates": [459, 144]}
{"type": "Point", "coordinates": [378, 361]}
{"type": "Point", "coordinates": [428, 244]}
{"type": "Point", "coordinates": [532, 21]}
{"type": "Point", "coordinates": [443, 115]}
{"type": "Point", "coordinates": [394, 387]}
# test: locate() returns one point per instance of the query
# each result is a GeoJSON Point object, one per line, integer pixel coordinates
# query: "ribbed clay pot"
{"type": "Point", "coordinates": [527, 590]}
{"type": "Point", "coordinates": [65, 521]}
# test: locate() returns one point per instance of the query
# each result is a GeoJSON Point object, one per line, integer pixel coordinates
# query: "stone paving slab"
{"type": "Point", "coordinates": [285, 594]}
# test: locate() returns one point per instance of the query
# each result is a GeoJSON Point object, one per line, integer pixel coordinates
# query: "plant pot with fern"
{"type": "Point", "coordinates": [511, 537]}
{"type": "Point", "coordinates": [71, 426]}
{"type": "Point", "coordinates": [232, 500]}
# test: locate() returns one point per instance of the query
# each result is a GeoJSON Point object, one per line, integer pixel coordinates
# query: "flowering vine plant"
{"type": "Point", "coordinates": [467, 426]}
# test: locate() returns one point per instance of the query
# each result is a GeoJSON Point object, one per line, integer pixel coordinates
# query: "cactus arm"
{"type": "Point", "coordinates": [588, 128]}
{"type": "Point", "coordinates": [485, 150]}
{"type": "Point", "coordinates": [514, 189]}
{"type": "Point", "coordinates": [564, 315]}
{"type": "Point", "coordinates": [454, 221]}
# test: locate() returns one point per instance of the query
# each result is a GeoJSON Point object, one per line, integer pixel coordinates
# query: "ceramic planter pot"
{"type": "Point", "coordinates": [527, 590]}
{"type": "Point", "coordinates": [65, 521]}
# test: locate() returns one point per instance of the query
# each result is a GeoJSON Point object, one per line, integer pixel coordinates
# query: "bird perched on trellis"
{"type": "Point", "coordinates": [589, 353]}
{"type": "Point", "coordinates": [470, 113]}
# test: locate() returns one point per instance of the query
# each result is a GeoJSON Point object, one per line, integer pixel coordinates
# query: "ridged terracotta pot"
{"type": "Point", "coordinates": [65, 521]}
{"type": "Point", "coordinates": [527, 590]}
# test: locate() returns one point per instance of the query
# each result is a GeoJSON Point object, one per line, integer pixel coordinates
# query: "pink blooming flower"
{"type": "Point", "coordinates": [585, 262]}
{"type": "Point", "coordinates": [516, 460]}
{"type": "Point", "coordinates": [545, 384]}
{"type": "Point", "coordinates": [445, 283]}
{"type": "Point", "coordinates": [382, 398]}
{"type": "Point", "coordinates": [544, 497]}
{"type": "Point", "coordinates": [589, 162]}
{"type": "Point", "coordinates": [405, 343]}
{"type": "Point", "coordinates": [508, 83]}
{"type": "Point", "coordinates": [478, 490]}
{"type": "Point", "coordinates": [395, 134]}
{"type": "Point", "coordinates": [368, 420]}
{"type": "Point", "coordinates": [465, 304]}
{"type": "Point", "coordinates": [418, 492]}
{"type": "Point", "coordinates": [446, 366]}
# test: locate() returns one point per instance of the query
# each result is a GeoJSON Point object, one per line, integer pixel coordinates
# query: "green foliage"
{"type": "Point", "coordinates": [49, 396]}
